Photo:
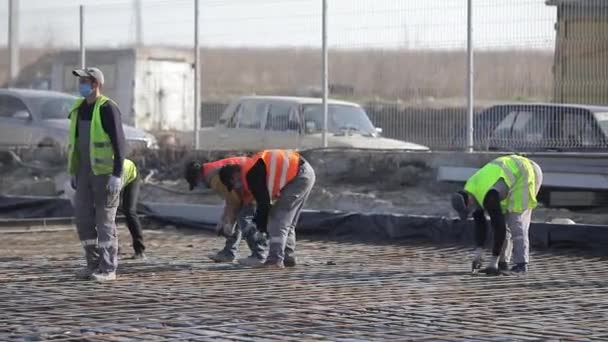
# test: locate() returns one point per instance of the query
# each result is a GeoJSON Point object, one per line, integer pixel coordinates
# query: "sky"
{"type": "Point", "coordinates": [359, 24]}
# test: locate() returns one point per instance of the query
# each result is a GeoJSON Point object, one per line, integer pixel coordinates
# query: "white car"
{"type": "Point", "coordinates": [40, 118]}
{"type": "Point", "coordinates": [264, 122]}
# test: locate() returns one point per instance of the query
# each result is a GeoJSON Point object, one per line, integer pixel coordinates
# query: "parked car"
{"type": "Point", "coordinates": [541, 127]}
{"type": "Point", "coordinates": [40, 118]}
{"type": "Point", "coordinates": [263, 122]}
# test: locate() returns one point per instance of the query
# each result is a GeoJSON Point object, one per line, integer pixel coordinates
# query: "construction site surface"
{"type": "Point", "coordinates": [341, 290]}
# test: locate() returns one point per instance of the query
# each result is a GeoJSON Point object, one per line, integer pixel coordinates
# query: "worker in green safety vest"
{"type": "Point", "coordinates": [506, 189]}
{"type": "Point", "coordinates": [129, 198]}
{"type": "Point", "coordinates": [96, 151]}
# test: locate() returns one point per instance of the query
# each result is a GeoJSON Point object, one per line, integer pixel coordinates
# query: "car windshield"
{"type": "Point", "coordinates": [602, 120]}
{"type": "Point", "coordinates": [339, 118]}
{"type": "Point", "coordinates": [47, 107]}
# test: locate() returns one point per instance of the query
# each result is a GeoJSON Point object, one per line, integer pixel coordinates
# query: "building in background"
{"type": "Point", "coordinates": [154, 87]}
{"type": "Point", "coordinates": [581, 52]}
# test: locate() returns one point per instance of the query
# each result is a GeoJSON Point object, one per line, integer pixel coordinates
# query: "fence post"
{"type": "Point", "coordinates": [325, 72]}
{"type": "Point", "coordinates": [470, 74]}
{"type": "Point", "coordinates": [197, 94]}
{"type": "Point", "coordinates": [13, 41]}
{"type": "Point", "coordinates": [82, 48]}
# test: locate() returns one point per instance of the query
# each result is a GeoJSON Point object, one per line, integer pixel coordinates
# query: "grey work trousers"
{"type": "Point", "coordinates": [285, 213]}
{"type": "Point", "coordinates": [517, 238]}
{"type": "Point", "coordinates": [256, 245]}
{"type": "Point", "coordinates": [95, 214]}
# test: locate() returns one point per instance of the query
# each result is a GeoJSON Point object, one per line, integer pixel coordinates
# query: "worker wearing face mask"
{"type": "Point", "coordinates": [96, 154]}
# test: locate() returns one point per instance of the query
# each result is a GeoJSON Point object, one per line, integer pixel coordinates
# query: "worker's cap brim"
{"type": "Point", "coordinates": [94, 73]}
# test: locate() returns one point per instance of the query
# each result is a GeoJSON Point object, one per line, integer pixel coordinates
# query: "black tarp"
{"type": "Point", "coordinates": [329, 223]}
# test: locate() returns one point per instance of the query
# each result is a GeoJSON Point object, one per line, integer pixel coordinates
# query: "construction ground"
{"type": "Point", "coordinates": [342, 290]}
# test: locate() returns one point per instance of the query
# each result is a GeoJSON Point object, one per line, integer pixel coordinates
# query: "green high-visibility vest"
{"type": "Point", "coordinates": [517, 172]}
{"type": "Point", "coordinates": [100, 147]}
{"type": "Point", "coordinates": [129, 172]}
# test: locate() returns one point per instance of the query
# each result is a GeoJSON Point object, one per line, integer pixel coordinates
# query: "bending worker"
{"type": "Point", "coordinates": [235, 212]}
{"type": "Point", "coordinates": [95, 158]}
{"type": "Point", "coordinates": [129, 197]}
{"type": "Point", "coordinates": [506, 189]}
{"type": "Point", "coordinates": [280, 182]}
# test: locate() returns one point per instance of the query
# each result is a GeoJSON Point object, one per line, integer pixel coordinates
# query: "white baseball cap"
{"type": "Point", "coordinates": [89, 72]}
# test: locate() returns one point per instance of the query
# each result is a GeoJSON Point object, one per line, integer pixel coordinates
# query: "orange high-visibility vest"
{"type": "Point", "coordinates": [212, 167]}
{"type": "Point", "coordinates": [281, 167]}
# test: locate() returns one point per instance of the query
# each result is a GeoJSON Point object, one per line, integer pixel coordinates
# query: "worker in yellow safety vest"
{"type": "Point", "coordinates": [279, 181]}
{"type": "Point", "coordinates": [96, 152]}
{"type": "Point", "coordinates": [505, 188]}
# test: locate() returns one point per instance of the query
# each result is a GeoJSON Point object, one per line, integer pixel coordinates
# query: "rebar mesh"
{"type": "Point", "coordinates": [342, 290]}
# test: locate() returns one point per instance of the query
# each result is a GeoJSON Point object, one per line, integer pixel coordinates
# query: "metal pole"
{"type": "Point", "coordinates": [470, 75]}
{"type": "Point", "coordinates": [139, 35]}
{"type": "Point", "coordinates": [197, 61]}
{"type": "Point", "coordinates": [325, 75]}
{"type": "Point", "coordinates": [13, 41]}
{"type": "Point", "coordinates": [82, 49]}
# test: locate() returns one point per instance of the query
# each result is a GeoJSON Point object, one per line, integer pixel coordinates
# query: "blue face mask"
{"type": "Point", "coordinates": [85, 89]}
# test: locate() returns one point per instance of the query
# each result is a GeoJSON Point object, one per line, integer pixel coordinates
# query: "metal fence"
{"type": "Point", "coordinates": [405, 62]}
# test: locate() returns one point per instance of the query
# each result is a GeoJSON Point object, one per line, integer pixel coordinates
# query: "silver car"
{"type": "Point", "coordinates": [39, 118]}
{"type": "Point", "coordinates": [264, 122]}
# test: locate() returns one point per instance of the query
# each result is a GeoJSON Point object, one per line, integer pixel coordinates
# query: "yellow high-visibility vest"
{"type": "Point", "coordinates": [100, 147]}
{"type": "Point", "coordinates": [517, 172]}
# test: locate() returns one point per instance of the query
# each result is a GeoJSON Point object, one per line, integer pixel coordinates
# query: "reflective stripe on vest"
{"type": "Point", "coordinates": [518, 174]}
{"type": "Point", "coordinates": [100, 147]}
{"type": "Point", "coordinates": [281, 168]}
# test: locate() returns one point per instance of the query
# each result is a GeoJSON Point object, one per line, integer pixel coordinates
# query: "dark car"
{"type": "Point", "coordinates": [542, 127]}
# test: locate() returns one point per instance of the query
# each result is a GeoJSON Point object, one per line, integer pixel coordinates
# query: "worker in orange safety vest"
{"type": "Point", "coordinates": [279, 181]}
{"type": "Point", "coordinates": [236, 221]}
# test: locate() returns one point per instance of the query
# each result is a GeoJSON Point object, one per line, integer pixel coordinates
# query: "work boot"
{"type": "Point", "coordinates": [251, 260]}
{"type": "Point", "coordinates": [290, 261]}
{"type": "Point", "coordinates": [101, 277]}
{"type": "Point", "coordinates": [476, 265]}
{"type": "Point", "coordinates": [503, 266]}
{"type": "Point", "coordinates": [492, 271]}
{"type": "Point", "coordinates": [520, 268]}
{"type": "Point", "coordinates": [271, 264]}
{"type": "Point", "coordinates": [84, 273]}
{"type": "Point", "coordinates": [221, 256]}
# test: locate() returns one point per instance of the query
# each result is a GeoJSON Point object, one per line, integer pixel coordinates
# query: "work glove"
{"type": "Point", "coordinates": [114, 185]}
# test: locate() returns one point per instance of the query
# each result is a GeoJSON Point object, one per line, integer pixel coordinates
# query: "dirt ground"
{"type": "Point", "coordinates": [409, 189]}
